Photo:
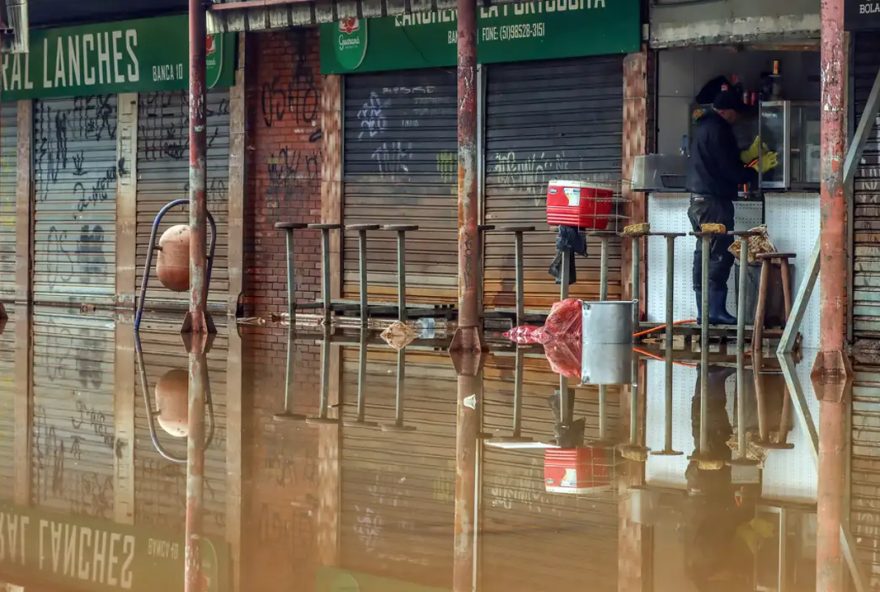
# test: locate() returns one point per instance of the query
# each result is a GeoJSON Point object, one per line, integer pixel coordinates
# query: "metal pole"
{"type": "Point", "coordinates": [741, 298]}
{"type": "Point", "coordinates": [325, 273]}
{"type": "Point", "coordinates": [198, 172]}
{"type": "Point", "coordinates": [362, 260]}
{"type": "Point", "coordinates": [603, 410]}
{"type": "Point", "coordinates": [636, 264]}
{"type": "Point", "coordinates": [401, 276]}
{"type": "Point", "coordinates": [833, 299]}
{"type": "Point", "coordinates": [195, 469]}
{"type": "Point", "coordinates": [565, 275]}
{"type": "Point", "coordinates": [517, 392]}
{"type": "Point", "coordinates": [704, 347]}
{"type": "Point", "coordinates": [362, 378]}
{"type": "Point", "coordinates": [520, 289]}
{"type": "Point", "coordinates": [291, 285]}
{"type": "Point", "coordinates": [603, 268]}
{"type": "Point", "coordinates": [469, 274]}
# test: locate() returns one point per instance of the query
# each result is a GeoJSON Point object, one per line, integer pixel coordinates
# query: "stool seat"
{"type": "Point", "coordinates": [667, 234]}
{"type": "Point", "coordinates": [400, 227]}
{"type": "Point", "coordinates": [362, 227]}
{"type": "Point", "coordinates": [515, 228]}
{"type": "Point", "coordinates": [484, 227]}
{"type": "Point", "coordinates": [291, 225]}
{"type": "Point", "coordinates": [746, 233]}
{"type": "Point", "coordinates": [772, 256]}
{"type": "Point", "coordinates": [324, 226]}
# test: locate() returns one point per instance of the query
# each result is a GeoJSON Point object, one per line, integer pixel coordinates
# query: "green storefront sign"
{"type": "Point", "coordinates": [96, 555]}
{"type": "Point", "coordinates": [124, 56]}
{"type": "Point", "coordinates": [548, 29]}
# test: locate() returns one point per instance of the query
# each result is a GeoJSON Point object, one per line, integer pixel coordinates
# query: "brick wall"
{"type": "Point", "coordinates": [284, 166]}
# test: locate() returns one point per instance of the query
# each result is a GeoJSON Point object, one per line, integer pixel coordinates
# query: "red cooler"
{"type": "Point", "coordinates": [577, 470]}
{"type": "Point", "coordinates": [579, 203]}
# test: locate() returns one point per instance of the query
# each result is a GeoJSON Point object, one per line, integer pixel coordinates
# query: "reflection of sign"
{"type": "Point", "coordinates": [862, 15]}
{"type": "Point", "coordinates": [545, 29]}
{"type": "Point", "coordinates": [332, 579]}
{"type": "Point", "coordinates": [98, 555]}
{"type": "Point", "coordinates": [123, 56]}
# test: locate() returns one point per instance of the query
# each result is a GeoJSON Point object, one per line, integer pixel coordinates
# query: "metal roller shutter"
{"type": "Point", "coordinates": [400, 166]}
{"type": "Point", "coordinates": [73, 451]}
{"type": "Point", "coordinates": [8, 174]}
{"type": "Point", "coordinates": [160, 485]}
{"type": "Point", "coordinates": [547, 120]}
{"type": "Point", "coordinates": [865, 499]}
{"type": "Point", "coordinates": [7, 403]}
{"type": "Point", "coordinates": [539, 536]}
{"type": "Point", "coordinates": [397, 487]}
{"type": "Point", "coordinates": [75, 190]}
{"type": "Point", "coordinates": [163, 175]}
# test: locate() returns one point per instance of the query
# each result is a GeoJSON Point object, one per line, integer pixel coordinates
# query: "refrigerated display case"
{"type": "Point", "coordinates": [792, 130]}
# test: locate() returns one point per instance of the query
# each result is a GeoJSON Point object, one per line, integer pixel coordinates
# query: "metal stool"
{"type": "Point", "coordinates": [518, 232]}
{"type": "Point", "coordinates": [766, 260]}
{"type": "Point", "coordinates": [516, 437]}
{"type": "Point", "coordinates": [603, 262]}
{"type": "Point", "coordinates": [327, 301]}
{"type": "Point", "coordinates": [288, 228]}
{"type": "Point", "coordinates": [323, 417]}
{"type": "Point", "coordinates": [362, 229]}
{"type": "Point", "coordinates": [287, 414]}
{"type": "Point", "coordinates": [360, 420]}
{"type": "Point", "coordinates": [401, 230]}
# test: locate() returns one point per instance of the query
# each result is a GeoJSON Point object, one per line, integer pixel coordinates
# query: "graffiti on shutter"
{"type": "Point", "coordinates": [163, 175]}
{"type": "Point", "coordinates": [73, 444]}
{"type": "Point", "coordinates": [8, 174]}
{"type": "Point", "coordinates": [547, 120]}
{"type": "Point", "coordinates": [400, 167]}
{"type": "Point", "coordinates": [74, 166]}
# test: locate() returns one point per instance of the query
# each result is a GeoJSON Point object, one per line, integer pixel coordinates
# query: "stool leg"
{"type": "Point", "coordinates": [362, 261]}
{"type": "Point", "coordinates": [519, 289]}
{"type": "Point", "coordinates": [603, 268]}
{"type": "Point", "coordinates": [741, 294]}
{"type": "Point", "coordinates": [325, 273]}
{"type": "Point", "coordinates": [401, 276]}
{"type": "Point", "coordinates": [636, 264]}
{"type": "Point", "coordinates": [704, 293]}
{"type": "Point", "coordinates": [291, 283]}
{"type": "Point", "coordinates": [786, 286]}
{"type": "Point", "coordinates": [758, 331]}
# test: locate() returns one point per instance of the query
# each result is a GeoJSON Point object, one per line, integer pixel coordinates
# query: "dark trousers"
{"type": "Point", "coordinates": [711, 210]}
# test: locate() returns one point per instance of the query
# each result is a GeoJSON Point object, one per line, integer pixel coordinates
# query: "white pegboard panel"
{"type": "Point", "coordinates": [668, 213]}
{"type": "Point", "coordinates": [793, 225]}
{"type": "Point", "coordinates": [669, 471]}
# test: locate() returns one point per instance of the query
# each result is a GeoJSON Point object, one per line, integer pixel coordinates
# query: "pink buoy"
{"type": "Point", "coordinates": [172, 399]}
{"type": "Point", "coordinates": [172, 268]}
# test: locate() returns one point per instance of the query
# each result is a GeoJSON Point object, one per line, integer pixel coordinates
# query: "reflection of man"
{"type": "Point", "coordinates": [722, 533]}
{"type": "Point", "coordinates": [715, 174]}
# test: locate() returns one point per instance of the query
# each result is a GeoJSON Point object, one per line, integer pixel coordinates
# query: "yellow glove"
{"type": "Point", "coordinates": [752, 152]}
{"type": "Point", "coordinates": [768, 163]}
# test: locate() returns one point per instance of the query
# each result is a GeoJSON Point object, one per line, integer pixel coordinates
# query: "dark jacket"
{"type": "Point", "coordinates": [714, 168]}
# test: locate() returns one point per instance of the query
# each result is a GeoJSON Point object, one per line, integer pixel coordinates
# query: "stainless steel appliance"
{"type": "Point", "coordinates": [792, 129]}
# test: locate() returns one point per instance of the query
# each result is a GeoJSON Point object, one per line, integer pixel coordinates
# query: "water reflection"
{"type": "Point", "coordinates": [329, 462]}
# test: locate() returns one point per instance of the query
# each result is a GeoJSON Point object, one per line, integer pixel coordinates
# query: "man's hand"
{"type": "Point", "coordinates": [768, 163]}
{"type": "Point", "coordinates": [752, 152]}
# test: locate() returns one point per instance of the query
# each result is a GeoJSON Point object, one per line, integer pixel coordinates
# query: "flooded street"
{"type": "Point", "coordinates": [330, 465]}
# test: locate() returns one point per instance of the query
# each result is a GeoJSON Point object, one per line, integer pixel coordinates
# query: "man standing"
{"type": "Point", "coordinates": [716, 170]}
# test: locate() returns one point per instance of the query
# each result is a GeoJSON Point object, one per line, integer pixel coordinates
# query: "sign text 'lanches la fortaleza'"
{"type": "Point", "coordinates": [124, 56]}
{"type": "Point", "coordinates": [544, 29]}
{"type": "Point", "coordinates": [97, 555]}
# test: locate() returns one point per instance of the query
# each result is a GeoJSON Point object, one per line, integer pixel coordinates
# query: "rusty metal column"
{"type": "Point", "coordinates": [831, 369]}
{"type": "Point", "coordinates": [467, 336]}
{"type": "Point", "coordinates": [196, 319]}
{"type": "Point", "coordinates": [195, 465]}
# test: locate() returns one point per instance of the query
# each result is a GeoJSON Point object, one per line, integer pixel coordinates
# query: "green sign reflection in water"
{"type": "Point", "coordinates": [98, 555]}
{"type": "Point", "coordinates": [124, 56]}
{"type": "Point", "coordinates": [547, 29]}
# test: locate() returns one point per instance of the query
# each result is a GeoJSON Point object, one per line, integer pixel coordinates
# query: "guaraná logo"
{"type": "Point", "coordinates": [351, 42]}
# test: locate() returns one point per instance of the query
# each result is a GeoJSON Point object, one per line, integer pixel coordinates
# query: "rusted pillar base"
{"type": "Point", "coordinates": [467, 430]}
{"type": "Point", "coordinates": [467, 340]}
{"type": "Point", "coordinates": [187, 327]}
{"type": "Point", "coordinates": [832, 377]}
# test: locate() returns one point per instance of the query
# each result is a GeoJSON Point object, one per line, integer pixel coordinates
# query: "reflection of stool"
{"type": "Point", "coordinates": [518, 232]}
{"type": "Point", "coordinates": [766, 260]}
{"type": "Point", "coordinates": [401, 230]}
{"type": "Point", "coordinates": [325, 266]}
{"type": "Point", "coordinates": [362, 266]}
{"type": "Point", "coordinates": [400, 390]}
{"type": "Point", "coordinates": [288, 228]}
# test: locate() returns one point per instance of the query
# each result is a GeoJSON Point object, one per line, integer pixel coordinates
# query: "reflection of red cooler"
{"type": "Point", "coordinates": [576, 470]}
{"type": "Point", "coordinates": [578, 203]}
